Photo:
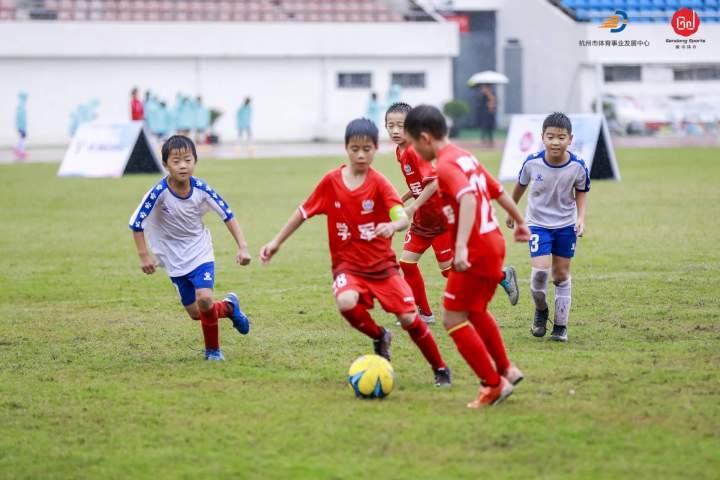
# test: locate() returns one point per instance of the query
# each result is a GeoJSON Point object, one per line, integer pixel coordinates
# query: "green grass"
{"type": "Point", "coordinates": [101, 373]}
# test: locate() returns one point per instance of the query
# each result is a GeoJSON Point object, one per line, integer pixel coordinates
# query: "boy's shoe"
{"type": "Point", "coordinates": [539, 326]}
{"type": "Point", "coordinates": [239, 320]}
{"type": "Point", "coordinates": [489, 396]}
{"type": "Point", "coordinates": [559, 333]}
{"type": "Point", "coordinates": [426, 318]}
{"type": "Point", "coordinates": [214, 355]}
{"type": "Point", "coordinates": [513, 374]}
{"type": "Point", "coordinates": [510, 285]}
{"type": "Point", "coordinates": [443, 377]}
{"type": "Point", "coordinates": [382, 344]}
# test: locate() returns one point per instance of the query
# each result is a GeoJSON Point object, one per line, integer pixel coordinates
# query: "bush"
{"type": "Point", "coordinates": [456, 109]}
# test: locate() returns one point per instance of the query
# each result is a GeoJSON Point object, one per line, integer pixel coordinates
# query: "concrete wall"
{"type": "Point", "coordinates": [290, 71]}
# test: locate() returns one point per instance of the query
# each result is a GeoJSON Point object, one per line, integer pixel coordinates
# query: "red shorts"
{"type": "Point", "coordinates": [441, 244]}
{"type": "Point", "coordinates": [393, 292]}
{"type": "Point", "coordinates": [466, 292]}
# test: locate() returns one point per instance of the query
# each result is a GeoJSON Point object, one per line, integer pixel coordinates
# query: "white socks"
{"type": "Point", "coordinates": [538, 287]}
{"type": "Point", "coordinates": [562, 301]}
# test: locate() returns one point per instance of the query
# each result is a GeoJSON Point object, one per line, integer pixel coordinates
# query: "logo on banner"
{"type": "Point", "coordinates": [526, 142]}
{"type": "Point", "coordinates": [616, 23]}
{"type": "Point", "coordinates": [685, 22]}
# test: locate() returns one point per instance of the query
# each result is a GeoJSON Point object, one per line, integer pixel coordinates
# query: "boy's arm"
{"type": "Point", "coordinates": [516, 196]}
{"type": "Point", "coordinates": [243, 256]}
{"type": "Point", "coordinates": [424, 196]}
{"type": "Point", "coordinates": [581, 202]}
{"type": "Point", "coordinates": [465, 221]}
{"type": "Point", "coordinates": [398, 222]}
{"type": "Point", "coordinates": [406, 196]}
{"type": "Point", "coordinates": [271, 248]}
{"type": "Point", "coordinates": [147, 264]}
{"type": "Point", "coordinates": [522, 232]}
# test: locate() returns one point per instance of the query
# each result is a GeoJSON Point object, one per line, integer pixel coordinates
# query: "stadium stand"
{"type": "Point", "coordinates": [641, 11]}
{"type": "Point", "coordinates": [209, 10]}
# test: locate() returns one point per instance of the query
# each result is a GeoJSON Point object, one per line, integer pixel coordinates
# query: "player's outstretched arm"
{"type": "Point", "coordinates": [424, 196]}
{"type": "Point", "coordinates": [399, 222]}
{"type": "Point", "coordinates": [406, 196]}
{"type": "Point", "coordinates": [516, 196]}
{"type": "Point", "coordinates": [465, 222]}
{"type": "Point", "coordinates": [243, 256]}
{"type": "Point", "coordinates": [147, 263]}
{"type": "Point", "coordinates": [522, 232]}
{"type": "Point", "coordinates": [581, 202]}
{"type": "Point", "coordinates": [270, 249]}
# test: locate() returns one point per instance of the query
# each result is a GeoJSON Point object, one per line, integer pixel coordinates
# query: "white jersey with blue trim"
{"type": "Point", "coordinates": [174, 227]}
{"type": "Point", "coordinates": [551, 198]}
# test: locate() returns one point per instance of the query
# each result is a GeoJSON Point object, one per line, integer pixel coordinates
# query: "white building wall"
{"type": "Point", "coordinates": [289, 70]}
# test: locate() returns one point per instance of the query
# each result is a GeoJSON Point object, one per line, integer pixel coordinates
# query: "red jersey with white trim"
{"type": "Point", "coordinates": [460, 173]}
{"type": "Point", "coordinates": [428, 220]}
{"type": "Point", "coordinates": [351, 219]}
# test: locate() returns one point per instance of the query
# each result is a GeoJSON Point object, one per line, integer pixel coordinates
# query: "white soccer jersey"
{"type": "Point", "coordinates": [174, 227]}
{"type": "Point", "coordinates": [551, 198]}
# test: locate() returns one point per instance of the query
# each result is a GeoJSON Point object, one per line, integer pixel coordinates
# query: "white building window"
{"type": "Point", "coordinates": [354, 80]}
{"type": "Point", "coordinates": [408, 79]}
{"type": "Point", "coordinates": [701, 73]}
{"type": "Point", "coordinates": [622, 73]}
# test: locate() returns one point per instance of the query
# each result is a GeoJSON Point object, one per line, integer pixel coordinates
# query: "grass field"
{"type": "Point", "coordinates": [101, 373]}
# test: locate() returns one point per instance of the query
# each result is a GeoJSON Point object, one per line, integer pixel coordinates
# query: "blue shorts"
{"type": "Point", "coordinates": [556, 241]}
{"type": "Point", "coordinates": [202, 277]}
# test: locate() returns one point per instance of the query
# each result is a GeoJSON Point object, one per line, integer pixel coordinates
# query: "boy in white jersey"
{"type": "Point", "coordinates": [171, 214]}
{"type": "Point", "coordinates": [559, 182]}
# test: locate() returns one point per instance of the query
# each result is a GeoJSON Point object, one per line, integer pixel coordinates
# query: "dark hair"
{"type": "Point", "coordinates": [398, 107]}
{"type": "Point", "coordinates": [361, 128]}
{"type": "Point", "coordinates": [177, 142]}
{"type": "Point", "coordinates": [426, 118]}
{"type": "Point", "coordinates": [557, 120]}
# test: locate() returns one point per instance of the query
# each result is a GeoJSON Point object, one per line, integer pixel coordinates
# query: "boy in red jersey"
{"type": "Point", "coordinates": [466, 189]}
{"type": "Point", "coordinates": [363, 212]}
{"type": "Point", "coordinates": [428, 226]}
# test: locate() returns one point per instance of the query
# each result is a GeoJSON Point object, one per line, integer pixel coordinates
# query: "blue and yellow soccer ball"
{"type": "Point", "coordinates": [371, 376]}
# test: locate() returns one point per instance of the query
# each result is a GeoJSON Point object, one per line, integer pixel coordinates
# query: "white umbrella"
{"type": "Point", "coordinates": [487, 77]}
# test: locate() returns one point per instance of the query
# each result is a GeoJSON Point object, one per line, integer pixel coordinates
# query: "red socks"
{"type": "Point", "coordinates": [360, 319]}
{"type": "Point", "coordinates": [222, 309]}
{"type": "Point", "coordinates": [209, 324]}
{"type": "Point", "coordinates": [414, 278]}
{"type": "Point", "coordinates": [472, 349]}
{"type": "Point", "coordinates": [486, 326]}
{"type": "Point", "coordinates": [423, 338]}
{"type": "Point", "coordinates": [446, 272]}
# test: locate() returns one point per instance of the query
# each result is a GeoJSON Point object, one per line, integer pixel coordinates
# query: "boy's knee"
{"type": "Point", "coordinates": [205, 302]}
{"type": "Point", "coordinates": [347, 301]}
{"type": "Point", "coordinates": [406, 319]}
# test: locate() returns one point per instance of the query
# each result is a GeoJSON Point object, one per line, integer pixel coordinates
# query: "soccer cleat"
{"type": "Point", "coordinates": [427, 318]}
{"type": "Point", "coordinates": [510, 285]}
{"type": "Point", "coordinates": [239, 320]}
{"type": "Point", "coordinates": [513, 375]}
{"type": "Point", "coordinates": [559, 333]}
{"type": "Point", "coordinates": [489, 396]}
{"type": "Point", "coordinates": [539, 326]}
{"type": "Point", "coordinates": [382, 344]}
{"type": "Point", "coordinates": [214, 355]}
{"type": "Point", "coordinates": [443, 377]}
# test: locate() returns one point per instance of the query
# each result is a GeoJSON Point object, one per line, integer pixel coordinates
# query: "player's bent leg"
{"type": "Point", "coordinates": [357, 315]}
{"type": "Point", "coordinates": [423, 338]}
{"type": "Point", "coordinates": [193, 311]}
{"type": "Point", "coordinates": [413, 276]}
{"type": "Point", "coordinates": [209, 324]}
{"type": "Point", "coordinates": [445, 268]}
{"type": "Point", "coordinates": [230, 308]}
{"type": "Point", "coordinates": [538, 287]}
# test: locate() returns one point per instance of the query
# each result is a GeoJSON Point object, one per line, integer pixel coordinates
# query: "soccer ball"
{"type": "Point", "coordinates": [371, 376]}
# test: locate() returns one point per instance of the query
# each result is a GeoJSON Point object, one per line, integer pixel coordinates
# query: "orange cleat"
{"type": "Point", "coordinates": [513, 374]}
{"type": "Point", "coordinates": [489, 396]}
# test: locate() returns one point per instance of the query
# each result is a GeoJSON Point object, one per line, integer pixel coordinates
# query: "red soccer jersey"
{"type": "Point", "coordinates": [136, 109]}
{"type": "Point", "coordinates": [428, 220]}
{"type": "Point", "coordinates": [351, 219]}
{"type": "Point", "coordinates": [459, 173]}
